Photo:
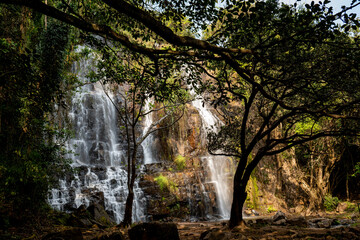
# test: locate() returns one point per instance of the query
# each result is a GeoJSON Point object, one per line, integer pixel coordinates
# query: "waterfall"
{"type": "Point", "coordinates": [147, 144]}
{"type": "Point", "coordinates": [97, 153]}
{"type": "Point", "coordinates": [221, 168]}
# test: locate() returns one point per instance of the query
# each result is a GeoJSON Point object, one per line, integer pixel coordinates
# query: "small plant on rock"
{"type": "Point", "coordinates": [180, 162]}
{"type": "Point", "coordinates": [271, 209]}
{"type": "Point", "coordinates": [330, 202]}
{"type": "Point", "coordinates": [165, 184]}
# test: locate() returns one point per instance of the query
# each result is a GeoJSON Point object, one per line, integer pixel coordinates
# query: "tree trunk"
{"type": "Point", "coordinates": [130, 198]}
{"type": "Point", "coordinates": [347, 188]}
{"type": "Point", "coordinates": [128, 208]}
{"type": "Point", "coordinates": [239, 197]}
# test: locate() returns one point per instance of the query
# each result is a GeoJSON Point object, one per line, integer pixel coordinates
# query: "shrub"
{"type": "Point", "coordinates": [180, 162]}
{"type": "Point", "coordinates": [356, 170]}
{"type": "Point", "coordinates": [330, 202]}
{"type": "Point", "coordinates": [162, 181]}
{"type": "Point", "coordinates": [165, 184]}
{"type": "Point", "coordinates": [352, 207]}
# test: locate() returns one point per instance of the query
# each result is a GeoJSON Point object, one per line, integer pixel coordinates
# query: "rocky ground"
{"type": "Point", "coordinates": [278, 226]}
{"type": "Point", "coordinates": [273, 226]}
{"type": "Point", "coordinates": [217, 231]}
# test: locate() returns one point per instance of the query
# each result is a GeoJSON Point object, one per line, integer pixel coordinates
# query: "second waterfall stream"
{"type": "Point", "coordinates": [221, 168]}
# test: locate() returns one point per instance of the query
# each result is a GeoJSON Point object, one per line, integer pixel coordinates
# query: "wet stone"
{"type": "Point", "coordinates": [113, 183]}
{"type": "Point", "coordinates": [279, 215]}
{"type": "Point", "coordinates": [100, 171]}
{"type": "Point", "coordinates": [325, 223]}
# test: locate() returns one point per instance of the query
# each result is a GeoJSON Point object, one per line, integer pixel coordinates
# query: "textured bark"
{"type": "Point", "coordinates": [128, 209]}
{"type": "Point", "coordinates": [131, 182]}
{"type": "Point", "coordinates": [239, 197]}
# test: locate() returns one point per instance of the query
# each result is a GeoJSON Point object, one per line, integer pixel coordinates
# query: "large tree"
{"type": "Point", "coordinates": [264, 54]}
{"type": "Point", "coordinates": [303, 86]}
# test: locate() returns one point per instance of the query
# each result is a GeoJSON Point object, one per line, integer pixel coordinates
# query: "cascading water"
{"type": "Point", "coordinates": [221, 168]}
{"type": "Point", "coordinates": [148, 142]}
{"type": "Point", "coordinates": [97, 153]}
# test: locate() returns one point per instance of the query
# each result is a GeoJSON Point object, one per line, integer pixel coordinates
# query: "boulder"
{"type": "Point", "coordinates": [321, 222]}
{"type": "Point", "coordinates": [325, 223]}
{"type": "Point", "coordinates": [98, 212]}
{"type": "Point", "coordinates": [341, 207]}
{"type": "Point", "coordinates": [79, 221]}
{"type": "Point", "coordinates": [280, 222]}
{"type": "Point", "coordinates": [215, 234]}
{"type": "Point", "coordinates": [73, 233]}
{"type": "Point", "coordinates": [96, 197]}
{"type": "Point", "coordinates": [346, 222]}
{"type": "Point", "coordinates": [255, 213]}
{"type": "Point", "coordinates": [247, 213]}
{"type": "Point", "coordinates": [261, 221]}
{"type": "Point", "coordinates": [298, 221]}
{"type": "Point", "coordinates": [154, 231]}
{"type": "Point", "coordinates": [100, 172]}
{"type": "Point", "coordinates": [279, 215]}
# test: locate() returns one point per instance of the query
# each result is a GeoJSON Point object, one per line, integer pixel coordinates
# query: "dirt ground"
{"type": "Point", "coordinates": [217, 230]}
{"type": "Point", "coordinates": [211, 231]}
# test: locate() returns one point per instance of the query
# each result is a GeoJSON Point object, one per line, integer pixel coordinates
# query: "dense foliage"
{"type": "Point", "coordinates": [31, 77]}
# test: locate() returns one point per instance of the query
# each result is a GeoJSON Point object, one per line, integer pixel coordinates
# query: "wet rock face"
{"type": "Point", "coordinates": [184, 138]}
{"type": "Point", "coordinates": [196, 196]}
{"type": "Point", "coordinates": [98, 212]}
{"type": "Point", "coordinates": [191, 198]}
{"type": "Point", "coordinates": [154, 231]}
{"type": "Point", "coordinates": [100, 156]}
{"type": "Point", "coordinates": [100, 171]}
{"type": "Point", "coordinates": [99, 186]}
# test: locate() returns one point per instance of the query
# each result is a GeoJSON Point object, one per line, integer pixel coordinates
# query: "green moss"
{"type": "Point", "coordinates": [180, 162]}
{"type": "Point", "coordinates": [252, 200]}
{"type": "Point", "coordinates": [162, 181]}
{"type": "Point", "coordinates": [165, 184]}
{"type": "Point", "coordinates": [103, 220]}
{"type": "Point", "coordinates": [271, 209]}
{"type": "Point", "coordinates": [254, 193]}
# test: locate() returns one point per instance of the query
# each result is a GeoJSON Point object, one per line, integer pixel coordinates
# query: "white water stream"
{"type": "Point", "coordinates": [98, 154]}
{"type": "Point", "coordinates": [147, 143]}
{"type": "Point", "coordinates": [221, 168]}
